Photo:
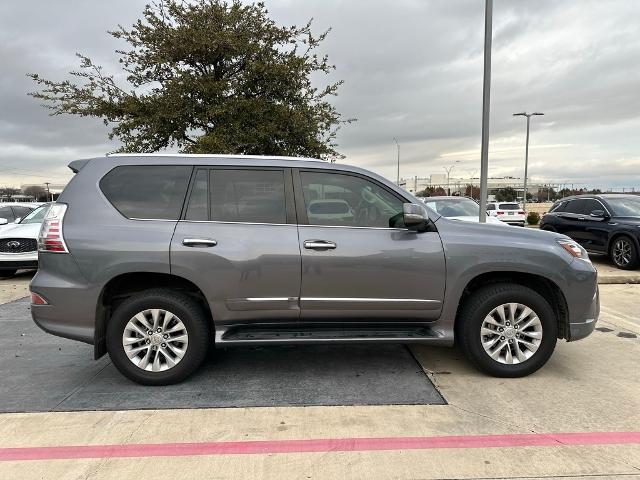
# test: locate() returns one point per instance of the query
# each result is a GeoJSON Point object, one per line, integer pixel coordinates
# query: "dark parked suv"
{"type": "Point", "coordinates": [155, 258]}
{"type": "Point", "coordinates": [608, 224]}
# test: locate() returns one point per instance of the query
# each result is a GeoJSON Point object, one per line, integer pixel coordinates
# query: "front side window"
{"type": "Point", "coordinates": [350, 201]}
{"type": "Point", "coordinates": [591, 205]}
{"type": "Point", "coordinates": [575, 206]}
{"type": "Point", "coordinates": [147, 191]}
{"type": "Point", "coordinates": [252, 196]}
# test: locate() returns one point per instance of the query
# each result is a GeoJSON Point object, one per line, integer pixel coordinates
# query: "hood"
{"type": "Point", "coordinates": [473, 218]}
{"type": "Point", "coordinates": [514, 233]}
{"type": "Point", "coordinates": [30, 230]}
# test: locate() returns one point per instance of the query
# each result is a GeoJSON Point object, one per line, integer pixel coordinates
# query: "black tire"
{"type": "Point", "coordinates": [7, 273]}
{"type": "Point", "coordinates": [633, 251]}
{"type": "Point", "coordinates": [480, 304]}
{"type": "Point", "coordinates": [192, 316]}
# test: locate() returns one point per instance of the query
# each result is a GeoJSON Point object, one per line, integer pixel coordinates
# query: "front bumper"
{"type": "Point", "coordinates": [15, 261]}
{"type": "Point", "coordinates": [581, 329]}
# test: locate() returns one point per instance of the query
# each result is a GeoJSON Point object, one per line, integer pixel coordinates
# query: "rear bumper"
{"type": "Point", "coordinates": [581, 328]}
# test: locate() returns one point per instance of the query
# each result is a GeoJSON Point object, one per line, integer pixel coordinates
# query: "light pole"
{"type": "Point", "coordinates": [398, 148]}
{"type": "Point", "coordinates": [448, 170]}
{"type": "Point", "coordinates": [526, 155]}
{"type": "Point", "coordinates": [486, 95]}
{"type": "Point", "coordinates": [48, 192]}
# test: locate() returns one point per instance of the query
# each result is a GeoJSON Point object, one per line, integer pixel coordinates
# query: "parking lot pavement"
{"type": "Point", "coordinates": [490, 428]}
{"type": "Point", "coordinates": [15, 287]}
{"type": "Point", "coordinates": [42, 372]}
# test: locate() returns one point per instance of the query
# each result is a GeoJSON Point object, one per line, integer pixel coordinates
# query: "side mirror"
{"type": "Point", "coordinates": [414, 216]}
{"type": "Point", "coordinates": [598, 214]}
{"type": "Point", "coordinates": [3, 221]}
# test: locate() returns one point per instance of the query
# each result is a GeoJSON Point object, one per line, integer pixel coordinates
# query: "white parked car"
{"type": "Point", "coordinates": [457, 208]}
{"type": "Point", "coordinates": [507, 212]}
{"type": "Point", "coordinates": [19, 243]}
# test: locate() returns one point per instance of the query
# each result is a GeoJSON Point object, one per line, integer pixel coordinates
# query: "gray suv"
{"type": "Point", "coordinates": [153, 258]}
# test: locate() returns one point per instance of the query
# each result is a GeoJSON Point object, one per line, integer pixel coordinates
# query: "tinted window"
{"type": "Point", "coordinates": [7, 213]}
{"type": "Point", "coordinates": [591, 205]}
{"type": "Point", "coordinates": [149, 191]}
{"type": "Point", "coordinates": [558, 207]}
{"type": "Point", "coordinates": [491, 206]}
{"type": "Point", "coordinates": [336, 199]}
{"type": "Point", "coordinates": [509, 206]}
{"type": "Point", "coordinates": [255, 196]}
{"type": "Point", "coordinates": [198, 208]}
{"type": "Point", "coordinates": [622, 206]}
{"type": "Point", "coordinates": [575, 206]}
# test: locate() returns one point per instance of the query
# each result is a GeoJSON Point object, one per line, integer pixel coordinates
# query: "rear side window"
{"type": "Point", "coordinates": [509, 206]}
{"type": "Point", "coordinates": [491, 206]}
{"type": "Point", "coordinates": [590, 205]}
{"type": "Point", "coordinates": [575, 206]}
{"type": "Point", "coordinates": [147, 191]}
{"type": "Point", "coordinates": [252, 196]}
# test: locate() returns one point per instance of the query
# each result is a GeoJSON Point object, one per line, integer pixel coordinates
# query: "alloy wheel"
{"type": "Point", "coordinates": [155, 340]}
{"type": "Point", "coordinates": [511, 333]}
{"type": "Point", "coordinates": [621, 252]}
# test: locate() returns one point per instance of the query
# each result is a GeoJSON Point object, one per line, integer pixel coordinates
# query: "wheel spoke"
{"type": "Point", "coordinates": [512, 312]}
{"type": "Point", "coordinates": [133, 352]}
{"type": "Point", "coordinates": [145, 360]}
{"type": "Point", "coordinates": [519, 354]}
{"type": "Point", "coordinates": [524, 314]}
{"type": "Point", "coordinates": [168, 316]}
{"type": "Point", "coordinates": [155, 316]}
{"type": "Point", "coordinates": [143, 320]}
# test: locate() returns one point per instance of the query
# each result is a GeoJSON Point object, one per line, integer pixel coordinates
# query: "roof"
{"type": "Point", "coordinates": [596, 195]}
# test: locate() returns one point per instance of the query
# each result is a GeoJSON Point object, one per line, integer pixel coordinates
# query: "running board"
{"type": "Point", "coordinates": [285, 336]}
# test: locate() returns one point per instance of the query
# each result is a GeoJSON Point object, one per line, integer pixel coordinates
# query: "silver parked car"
{"type": "Point", "coordinates": [155, 258]}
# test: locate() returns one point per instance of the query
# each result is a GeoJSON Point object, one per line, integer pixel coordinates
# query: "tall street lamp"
{"type": "Point", "coordinates": [398, 148]}
{"type": "Point", "coordinates": [486, 102]}
{"type": "Point", "coordinates": [448, 170]}
{"type": "Point", "coordinates": [526, 155]}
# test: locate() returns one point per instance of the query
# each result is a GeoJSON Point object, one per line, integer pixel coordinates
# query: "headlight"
{"type": "Point", "coordinates": [574, 249]}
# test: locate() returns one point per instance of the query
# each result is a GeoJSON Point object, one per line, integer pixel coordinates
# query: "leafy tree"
{"type": "Point", "coordinates": [35, 191]}
{"type": "Point", "coordinates": [432, 192]}
{"type": "Point", "coordinates": [506, 194]}
{"type": "Point", "coordinates": [208, 76]}
{"type": "Point", "coordinates": [472, 191]}
{"type": "Point", "coordinates": [8, 191]}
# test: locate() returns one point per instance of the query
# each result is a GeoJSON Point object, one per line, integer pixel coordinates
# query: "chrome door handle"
{"type": "Point", "coordinates": [199, 242]}
{"type": "Point", "coordinates": [319, 244]}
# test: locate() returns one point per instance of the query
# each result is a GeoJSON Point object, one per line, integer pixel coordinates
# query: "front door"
{"type": "Point", "coordinates": [238, 242]}
{"type": "Point", "coordinates": [358, 261]}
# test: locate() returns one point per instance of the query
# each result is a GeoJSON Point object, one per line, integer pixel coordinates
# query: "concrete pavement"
{"type": "Point", "coordinates": [588, 386]}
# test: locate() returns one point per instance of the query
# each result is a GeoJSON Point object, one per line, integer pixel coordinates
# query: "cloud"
{"type": "Point", "coordinates": [412, 69]}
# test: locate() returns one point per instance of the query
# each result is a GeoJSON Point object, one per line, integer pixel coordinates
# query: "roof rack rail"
{"type": "Point", "coordinates": [215, 155]}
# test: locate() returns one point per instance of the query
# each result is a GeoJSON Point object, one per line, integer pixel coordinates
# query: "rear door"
{"type": "Point", "coordinates": [571, 220]}
{"type": "Point", "coordinates": [358, 261]}
{"type": "Point", "coordinates": [596, 234]}
{"type": "Point", "coordinates": [238, 241]}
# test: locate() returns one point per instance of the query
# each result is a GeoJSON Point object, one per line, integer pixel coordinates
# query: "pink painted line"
{"type": "Point", "coordinates": [317, 445]}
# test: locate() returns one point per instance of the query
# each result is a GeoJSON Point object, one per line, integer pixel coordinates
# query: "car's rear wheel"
{"type": "Point", "coordinates": [7, 273]}
{"type": "Point", "coordinates": [507, 330]}
{"type": "Point", "coordinates": [158, 337]}
{"type": "Point", "coordinates": [623, 253]}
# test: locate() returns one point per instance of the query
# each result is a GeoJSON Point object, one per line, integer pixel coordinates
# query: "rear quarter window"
{"type": "Point", "coordinates": [147, 191]}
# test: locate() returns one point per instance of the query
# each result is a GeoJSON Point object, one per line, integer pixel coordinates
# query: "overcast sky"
{"type": "Point", "coordinates": [412, 69]}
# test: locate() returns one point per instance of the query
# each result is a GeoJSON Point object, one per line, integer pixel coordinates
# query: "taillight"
{"type": "Point", "coordinates": [50, 238]}
{"type": "Point", "coordinates": [521, 212]}
{"type": "Point", "coordinates": [38, 299]}
{"type": "Point", "coordinates": [500, 213]}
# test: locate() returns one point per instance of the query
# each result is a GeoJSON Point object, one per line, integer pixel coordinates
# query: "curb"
{"type": "Point", "coordinates": [618, 279]}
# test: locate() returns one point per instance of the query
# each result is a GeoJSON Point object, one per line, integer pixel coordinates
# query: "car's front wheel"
{"type": "Point", "coordinates": [507, 330]}
{"type": "Point", "coordinates": [158, 337]}
{"type": "Point", "coordinates": [623, 253]}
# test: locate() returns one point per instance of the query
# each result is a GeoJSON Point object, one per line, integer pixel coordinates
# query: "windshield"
{"type": "Point", "coordinates": [625, 206]}
{"type": "Point", "coordinates": [454, 207]}
{"type": "Point", "coordinates": [36, 216]}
